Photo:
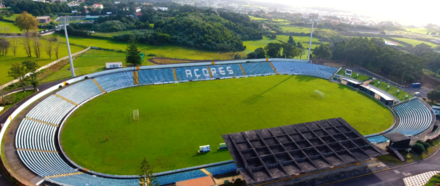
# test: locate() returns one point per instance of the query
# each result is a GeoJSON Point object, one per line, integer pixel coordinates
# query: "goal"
{"type": "Point", "coordinates": [319, 93]}
{"type": "Point", "coordinates": [136, 115]}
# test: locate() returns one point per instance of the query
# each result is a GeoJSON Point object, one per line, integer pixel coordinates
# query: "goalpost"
{"type": "Point", "coordinates": [319, 93]}
{"type": "Point", "coordinates": [136, 115]}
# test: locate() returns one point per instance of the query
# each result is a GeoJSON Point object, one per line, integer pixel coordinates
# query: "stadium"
{"type": "Point", "coordinates": [95, 129]}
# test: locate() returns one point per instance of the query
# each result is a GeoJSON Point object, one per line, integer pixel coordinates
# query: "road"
{"type": "Point", "coordinates": [394, 177]}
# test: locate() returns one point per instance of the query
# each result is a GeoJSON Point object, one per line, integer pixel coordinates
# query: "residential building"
{"type": "Point", "coordinates": [43, 19]}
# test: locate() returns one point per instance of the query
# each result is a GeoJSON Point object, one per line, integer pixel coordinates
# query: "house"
{"type": "Point", "coordinates": [43, 1]}
{"type": "Point", "coordinates": [96, 6]}
{"type": "Point", "coordinates": [161, 8]}
{"type": "Point", "coordinates": [43, 19]}
{"type": "Point", "coordinates": [2, 5]}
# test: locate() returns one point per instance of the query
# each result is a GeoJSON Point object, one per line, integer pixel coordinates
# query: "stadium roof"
{"type": "Point", "coordinates": [282, 152]}
{"type": "Point", "coordinates": [379, 92]}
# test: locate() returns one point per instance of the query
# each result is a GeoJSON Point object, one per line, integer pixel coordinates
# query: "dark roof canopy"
{"type": "Point", "coordinates": [396, 136]}
{"type": "Point", "coordinates": [281, 152]}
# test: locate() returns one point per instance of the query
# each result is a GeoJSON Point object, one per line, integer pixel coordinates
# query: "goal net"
{"type": "Point", "coordinates": [318, 93]}
{"type": "Point", "coordinates": [136, 115]}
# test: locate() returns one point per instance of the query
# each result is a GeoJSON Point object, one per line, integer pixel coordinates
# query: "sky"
{"type": "Point", "coordinates": [422, 11]}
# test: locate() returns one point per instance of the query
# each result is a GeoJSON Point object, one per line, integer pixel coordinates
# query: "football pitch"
{"type": "Point", "coordinates": [175, 119]}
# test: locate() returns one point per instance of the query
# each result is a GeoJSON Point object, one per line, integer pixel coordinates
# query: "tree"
{"type": "Point", "coordinates": [26, 42]}
{"type": "Point", "coordinates": [260, 53]}
{"type": "Point", "coordinates": [146, 174]}
{"type": "Point", "coordinates": [273, 49]}
{"type": "Point", "coordinates": [48, 47]}
{"type": "Point", "coordinates": [56, 46]}
{"type": "Point", "coordinates": [434, 94]}
{"type": "Point", "coordinates": [132, 54]}
{"type": "Point", "coordinates": [301, 52]}
{"type": "Point", "coordinates": [26, 22]}
{"type": "Point", "coordinates": [17, 71]}
{"type": "Point", "coordinates": [291, 41]}
{"type": "Point", "coordinates": [37, 46]}
{"type": "Point", "coordinates": [32, 67]}
{"type": "Point", "coordinates": [299, 45]}
{"type": "Point", "coordinates": [418, 148]}
{"type": "Point", "coordinates": [289, 51]}
{"type": "Point", "coordinates": [323, 51]}
{"type": "Point", "coordinates": [14, 45]}
{"type": "Point", "coordinates": [4, 46]}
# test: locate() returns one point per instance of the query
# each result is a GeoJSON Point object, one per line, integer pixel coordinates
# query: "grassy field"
{"type": "Point", "coordinates": [7, 61]}
{"type": "Point", "coordinates": [11, 18]}
{"type": "Point", "coordinates": [361, 77]}
{"type": "Point", "coordinates": [7, 27]}
{"type": "Point", "coordinates": [162, 51]}
{"type": "Point", "coordinates": [414, 42]}
{"type": "Point", "coordinates": [392, 90]}
{"type": "Point", "coordinates": [303, 39]}
{"type": "Point", "coordinates": [420, 30]}
{"type": "Point", "coordinates": [254, 44]}
{"type": "Point", "coordinates": [257, 18]}
{"type": "Point", "coordinates": [112, 34]}
{"type": "Point", "coordinates": [298, 29]}
{"type": "Point", "coordinates": [279, 20]}
{"type": "Point", "coordinates": [90, 62]}
{"type": "Point", "coordinates": [175, 119]}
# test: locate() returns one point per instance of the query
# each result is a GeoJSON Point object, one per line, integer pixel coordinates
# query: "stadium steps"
{"type": "Point", "coordinates": [47, 123]}
{"type": "Point", "coordinates": [99, 86]}
{"type": "Point", "coordinates": [135, 78]}
{"type": "Point", "coordinates": [175, 75]}
{"type": "Point", "coordinates": [36, 150]}
{"type": "Point", "coordinates": [62, 175]}
{"type": "Point", "coordinates": [206, 172]}
{"type": "Point", "coordinates": [241, 67]}
{"type": "Point", "coordinates": [275, 70]}
{"type": "Point", "coordinates": [396, 153]}
{"type": "Point", "coordinates": [65, 99]}
{"type": "Point", "coordinates": [335, 73]}
{"type": "Point", "coordinates": [210, 73]}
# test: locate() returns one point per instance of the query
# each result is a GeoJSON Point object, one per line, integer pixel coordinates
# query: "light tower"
{"type": "Point", "coordinates": [72, 69]}
{"type": "Point", "coordinates": [311, 37]}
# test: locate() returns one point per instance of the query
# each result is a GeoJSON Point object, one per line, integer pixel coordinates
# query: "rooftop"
{"type": "Point", "coordinates": [282, 152]}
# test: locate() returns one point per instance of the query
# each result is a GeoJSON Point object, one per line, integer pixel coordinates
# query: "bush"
{"type": "Point", "coordinates": [418, 148]}
{"type": "Point", "coordinates": [110, 26]}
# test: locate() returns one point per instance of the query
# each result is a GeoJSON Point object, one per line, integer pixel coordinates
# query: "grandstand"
{"type": "Point", "coordinates": [414, 118]}
{"type": "Point", "coordinates": [36, 139]}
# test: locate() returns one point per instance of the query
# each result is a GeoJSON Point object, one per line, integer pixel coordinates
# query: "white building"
{"type": "Point", "coordinates": [161, 8]}
{"type": "Point", "coordinates": [111, 65]}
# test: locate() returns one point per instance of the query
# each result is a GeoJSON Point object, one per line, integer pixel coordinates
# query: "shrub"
{"type": "Point", "coordinates": [418, 148]}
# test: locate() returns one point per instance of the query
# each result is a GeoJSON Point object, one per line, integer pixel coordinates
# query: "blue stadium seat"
{"type": "Point", "coordinates": [81, 91]}
{"type": "Point", "coordinates": [377, 139]}
{"type": "Point", "coordinates": [263, 68]}
{"type": "Point", "coordinates": [219, 71]}
{"type": "Point", "coordinates": [414, 117]}
{"type": "Point", "coordinates": [115, 81]}
{"type": "Point", "coordinates": [307, 69]}
{"type": "Point", "coordinates": [181, 176]}
{"type": "Point", "coordinates": [51, 110]}
{"type": "Point", "coordinates": [89, 180]}
{"type": "Point", "coordinates": [155, 76]}
{"type": "Point", "coordinates": [193, 73]}
{"type": "Point", "coordinates": [222, 169]}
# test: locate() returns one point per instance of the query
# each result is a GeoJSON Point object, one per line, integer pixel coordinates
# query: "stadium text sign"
{"type": "Point", "coordinates": [204, 71]}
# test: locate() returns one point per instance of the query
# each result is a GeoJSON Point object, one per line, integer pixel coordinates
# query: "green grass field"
{"type": "Point", "coordinates": [298, 29]}
{"type": "Point", "coordinates": [361, 77]}
{"type": "Point", "coordinates": [11, 18]}
{"type": "Point", "coordinates": [90, 62]}
{"type": "Point", "coordinates": [7, 61]}
{"type": "Point", "coordinates": [254, 44]}
{"type": "Point", "coordinates": [175, 119]}
{"type": "Point", "coordinates": [414, 42]}
{"type": "Point", "coordinates": [420, 30]}
{"type": "Point", "coordinates": [162, 51]}
{"type": "Point", "coordinates": [257, 18]}
{"type": "Point", "coordinates": [303, 39]}
{"type": "Point", "coordinates": [392, 90]}
{"type": "Point", "coordinates": [7, 27]}
{"type": "Point", "coordinates": [112, 34]}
